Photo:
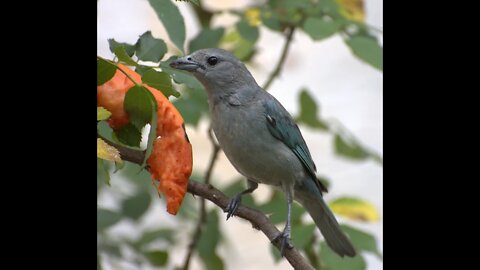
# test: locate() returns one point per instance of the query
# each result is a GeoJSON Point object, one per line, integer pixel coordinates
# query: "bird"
{"type": "Point", "coordinates": [262, 142]}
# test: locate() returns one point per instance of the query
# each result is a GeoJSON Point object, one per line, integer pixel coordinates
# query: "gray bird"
{"type": "Point", "coordinates": [262, 141]}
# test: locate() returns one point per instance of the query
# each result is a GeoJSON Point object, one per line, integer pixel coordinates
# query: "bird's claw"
{"type": "Point", "coordinates": [284, 242]}
{"type": "Point", "coordinates": [233, 205]}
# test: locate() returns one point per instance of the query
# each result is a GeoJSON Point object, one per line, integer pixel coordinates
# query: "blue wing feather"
{"type": "Point", "coordinates": [281, 126]}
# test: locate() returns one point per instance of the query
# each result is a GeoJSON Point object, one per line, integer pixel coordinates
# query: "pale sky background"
{"type": "Point", "coordinates": [346, 89]}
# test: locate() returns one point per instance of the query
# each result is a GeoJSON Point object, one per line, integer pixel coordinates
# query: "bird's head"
{"type": "Point", "coordinates": [215, 69]}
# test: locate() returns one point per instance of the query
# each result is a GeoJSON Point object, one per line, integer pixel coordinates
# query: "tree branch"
{"type": "Point", "coordinates": [203, 211]}
{"type": "Point", "coordinates": [207, 191]}
{"type": "Point", "coordinates": [283, 57]}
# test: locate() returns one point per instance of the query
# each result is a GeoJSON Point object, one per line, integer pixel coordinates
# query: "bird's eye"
{"type": "Point", "coordinates": [212, 60]}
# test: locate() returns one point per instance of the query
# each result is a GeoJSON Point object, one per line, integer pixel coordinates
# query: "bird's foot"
{"type": "Point", "coordinates": [284, 238]}
{"type": "Point", "coordinates": [233, 205]}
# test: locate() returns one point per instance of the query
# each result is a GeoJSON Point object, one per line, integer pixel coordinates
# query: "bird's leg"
{"type": "Point", "coordinates": [237, 199]}
{"type": "Point", "coordinates": [285, 235]}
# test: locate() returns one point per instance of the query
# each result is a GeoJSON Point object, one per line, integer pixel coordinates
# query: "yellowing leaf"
{"type": "Point", "coordinates": [352, 9]}
{"type": "Point", "coordinates": [107, 152]}
{"type": "Point", "coordinates": [355, 209]}
{"type": "Point", "coordinates": [103, 114]}
{"type": "Point", "coordinates": [252, 15]}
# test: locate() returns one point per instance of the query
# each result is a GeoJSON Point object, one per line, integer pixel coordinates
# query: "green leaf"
{"type": "Point", "coordinates": [102, 173]}
{"type": "Point", "coordinates": [271, 20]}
{"type": "Point", "coordinates": [160, 81]}
{"type": "Point", "coordinates": [349, 148]}
{"type": "Point", "coordinates": [211, 235]}
{"type": "Point", "coordinates": [105, 71]}
{"type": "Point", "coordinates": [196, 2]}
{"type": "Point", "coordinates": [367, 49]}
{"type": "Point", "coordinates": [129, 135]}
{"type": "Point", "coordinates": [172, 20]}
{"type": "Point", "coordinates": [208, 242]}
{"type": "Point", "coordinates": [318, 28]}
{"type": "Point", "coordinates": [362, 240]}
{"type": "Point", "coordinates": [139, 106]}
{"type": "Point", "coordinates": [207, 38]}
{"type": "Point", "coordinates": [150, 48]}
{"type": "Point", "coordinates": [129, 48]}
{"type": "Point", "coordinates": [244, 50]}
{"type": "Point", "coordinates": [309, 111]}
{"type": "Point", "coordinates": [235, 188]}
{"type": "Point", "coordinates": [152, 135]}
{"type": "Point", "coordinates": [157, 257]}
{"type": "Point", "coordinates": [276, 208]}
{"type": "Point", "coordinates": [179, 76]}
{"type": "Point", "coordinates": [248, 32]}
{"type": "Point", "coordinates": [302, 235]}
{"type": "Point", "coordinates": [275, 253]}
{"type": "Point", "coordinates": [135, 206]}
{"type": "Point", "coordinates": [214, 262]}
{"type": "Point", "coordinates": [150, 236]}
{"type": "Point", "coordinates": [192, 106]}
{"type": "Point", "coordinates": [99, 266]}
{"type": "Point", "coordinates": [123, 57]}
{"type": "Point", "coordinates": [142, 69]}
{"type": "Point", "coordinates": [331, 261]}
{"type": "Point", "coordinates": [103, 114]}
{"type": "Point", "coordinates": [106, 218]}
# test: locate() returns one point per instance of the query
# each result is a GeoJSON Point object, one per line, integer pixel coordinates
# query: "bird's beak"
{"type": "Point", "coordinates": [185, 63]}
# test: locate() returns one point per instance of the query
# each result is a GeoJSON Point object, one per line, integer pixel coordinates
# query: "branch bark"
{"type": "Point", "coordinates": [258, 220]}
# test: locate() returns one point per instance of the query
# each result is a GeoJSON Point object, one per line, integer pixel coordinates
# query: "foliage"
{"type": "Point", "coordinates": [320, 20]}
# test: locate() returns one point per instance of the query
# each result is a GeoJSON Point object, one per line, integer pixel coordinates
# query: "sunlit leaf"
{"type": "Point", "coordinates": [352, 9]}
{"type": "Point", "coordinates": [107, 152]}
{"type": "Point", "coordinates": [103, 114]}
{"type": "Point", "coordinates": [355, 209]}
{"type": "Point", "coordinates": [253, 16]}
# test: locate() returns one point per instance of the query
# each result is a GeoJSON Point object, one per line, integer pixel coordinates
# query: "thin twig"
{"type": "Point", "coordinates": [203, 211]}
{"type": "Point", "coordinates": [283, 57]}
{"type": "Point", "coordinates": [255, 217]}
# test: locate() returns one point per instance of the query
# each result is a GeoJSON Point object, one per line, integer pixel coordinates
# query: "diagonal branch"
{"type": "Point", "coordinates": [283, 57]}
{"type": "Point", "coordinates": [207, 191]}
{"type": "Point", "coordinates": [203, 211]}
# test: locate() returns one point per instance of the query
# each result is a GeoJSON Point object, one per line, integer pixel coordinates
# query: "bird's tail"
{"type": "Point", "coordinates": [325, 221]}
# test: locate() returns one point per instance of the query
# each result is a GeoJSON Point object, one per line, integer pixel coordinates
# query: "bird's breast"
{"type": "Point", "coordinates": [246, 141]}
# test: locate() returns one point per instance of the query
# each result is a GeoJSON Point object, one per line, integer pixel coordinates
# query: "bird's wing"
{"type": "Point", "coordinates": [281, 126]}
